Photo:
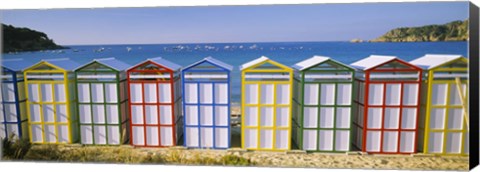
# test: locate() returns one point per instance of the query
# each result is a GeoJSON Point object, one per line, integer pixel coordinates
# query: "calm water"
{"type": "Point", "coordinates": [236, 54]}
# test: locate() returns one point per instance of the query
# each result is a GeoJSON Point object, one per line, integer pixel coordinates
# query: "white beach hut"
{"type": "Point", "coordinates": [102, 101]}
{"type": "Point", "coordinates": [266, 105]}
{"type": "Point", "coordinates": [206, 105]}
{"type": "Point", "coordinates": [154, 90]}
{"type": "Point", "coordinates": [386, 104]}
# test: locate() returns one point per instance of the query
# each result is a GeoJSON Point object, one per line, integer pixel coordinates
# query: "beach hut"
{"type": "Point", "coordinates": [266, 105]}
{"type": "Point", "coordinates": [154, 103]}
{"type": "Point", "coordinates": [206, 104]}
{"type": "Point", "coordinates": [50, 93]}
{"type": "Point", "coordinates": [443, 127]}
{"type": "Point", "coordinates": [102, 101]}
{"type": "Point", "coordinates": [386, 105]}
{"type": "Point", "coordinates": [322, 105]}
{"type": "Point", "coordinates": [13, 112]}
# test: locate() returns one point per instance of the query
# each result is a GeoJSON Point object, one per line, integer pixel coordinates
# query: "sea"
{"type": "Point", "coordinates": [236, 54]}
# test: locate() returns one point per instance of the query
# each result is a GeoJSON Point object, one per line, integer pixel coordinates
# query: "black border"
{"type": "Point", "coordinates": [473, 47]}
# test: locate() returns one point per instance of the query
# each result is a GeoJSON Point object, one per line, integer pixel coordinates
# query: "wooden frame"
{"type": "Point", "coordinates": [428, 106]}
{"type": "Point", "coordinates": [208, 77]}
{"type": "Point", "coordinates": [13, 80]}
{"type": "Point", "coordinates": [360, 121]}
{"type": "Point", "coordinates": [320, 77]}
{"type": "Point", "coordinates": [173, 84]}
{"type": "Point", "coordinates": [67, 84]}
{"type": "Point", "coordinates": [253, 69]}
{"type": "Point", "coordinates": [120, 84]}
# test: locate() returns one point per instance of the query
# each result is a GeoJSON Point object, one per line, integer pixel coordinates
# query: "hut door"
{"type": "Point", "coordinates": [9, 123]}
{"type": "Point", "coordinates": [48, 112]}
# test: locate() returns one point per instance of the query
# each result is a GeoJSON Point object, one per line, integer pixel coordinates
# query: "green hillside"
{"type": "Point", "coordinates": [17, 39]}
{"type": "Point", "coordinates": [453, 31]}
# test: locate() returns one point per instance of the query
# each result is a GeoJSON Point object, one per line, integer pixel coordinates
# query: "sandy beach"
{"type": "Point", "coordinates": [237, 157]}
{"type": "Point", "coordinates": [325, 160]}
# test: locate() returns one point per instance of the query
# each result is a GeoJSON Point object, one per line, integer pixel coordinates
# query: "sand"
{"type": "Point", "coordinates": [182, 156]}
{"type": "Point", "coordinates": [342, 160]}
{"type": "Point", "coordinates": [322, 160]}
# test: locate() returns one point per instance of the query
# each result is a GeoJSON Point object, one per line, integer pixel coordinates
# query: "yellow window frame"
{"type": "Point", "coordinates": [252, 69]}
{"type": "Point", "coordinates": [67, 103]}
{"type": "Point", "coordinates": [430, 81]}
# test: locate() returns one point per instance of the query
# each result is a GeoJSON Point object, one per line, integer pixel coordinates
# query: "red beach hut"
{"type": "Point", "coordinates": [386, 104]}
{"type": "Point", "coordinates": [154, 103]}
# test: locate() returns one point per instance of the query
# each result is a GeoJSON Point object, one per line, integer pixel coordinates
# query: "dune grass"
{"type": "Point", "coordinates": [127, 155]}
{"type": "Point", "coordinates": [14, 149]}
{"type": "Point", "coordinates": [22, 150]}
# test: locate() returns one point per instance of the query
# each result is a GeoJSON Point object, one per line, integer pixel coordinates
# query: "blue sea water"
{"type": "Point", "coordinates": [236, 54]}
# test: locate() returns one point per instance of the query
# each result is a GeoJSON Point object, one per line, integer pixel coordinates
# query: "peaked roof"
{"type": "Point", "coordinates": [110, 62]}
{"type": "Point", "coordinates": [213, 61]}
{"type": "Point", "coordinates": [161, 61]}
{"type": "Point", "coordinates": [315, 60]}
{"type": "Point", "coordinates": [429, 61]}
{"type": "Point", "coordinates": [312, 61]}
{"type": "Point", "coordinates": [260, 60]}
{"type": "Point", "coordinates": [372, 61]}
{"type": "Point", "coordinates": [254, 62]}
{"type": "Point", "coordinates": [64, 63]}
{"type": "Point", "coordinates": [16, 64]}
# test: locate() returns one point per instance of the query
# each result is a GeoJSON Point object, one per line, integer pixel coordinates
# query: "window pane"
{"type": "Point", "coordinates": [410, 94]}
{"type": "Point", "coordinates": [326, 117]}
{"type": "Point", "coordinates": [327, 95]}
{"type": "Point", "coordinates": [283, 94]}
{"type": "Point", "coordinates": [375, 94]}
{"type": "Point", "coordinates": [206, 93]}
{"type": "Point", "coordinates": [251, 93]}
{"type": "Point", "coordinates": [344, 94]}
{"type": "Point", "coordinates": [266, 93]}
{"type": "Point", "coordinates": [392, 117]}
{"type": "Point", "coordinates": [439, 94]}
{"type": "Point", "coordinates": [393, 94]}
{"type": "Point", "coordinates": [311, 94]}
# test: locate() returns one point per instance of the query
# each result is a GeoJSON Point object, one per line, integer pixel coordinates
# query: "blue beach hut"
{"type": "Point", "coordinates": [13, 116]}
{"type": "Point", "coordinates": [206, 104]}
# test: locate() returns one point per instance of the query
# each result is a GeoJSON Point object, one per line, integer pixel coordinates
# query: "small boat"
{"type": "Point", "coordinates": [99, 50]}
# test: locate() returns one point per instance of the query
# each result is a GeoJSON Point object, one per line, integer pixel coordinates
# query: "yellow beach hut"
{"type": "Point", "coordinates": [443, 126]}
{"type": "Point", "coordinates": [49, 87]}
{"type": "Point", "coordinates": [266, 105]}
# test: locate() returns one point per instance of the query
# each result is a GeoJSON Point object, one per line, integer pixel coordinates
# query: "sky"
{"type": "Point", "coordinates": [223, 24]}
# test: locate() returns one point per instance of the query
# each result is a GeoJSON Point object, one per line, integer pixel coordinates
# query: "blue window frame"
{"type": "Point", "coordinates": [209, 69]}
{"type": "Point", "coordinates": [9, 126]}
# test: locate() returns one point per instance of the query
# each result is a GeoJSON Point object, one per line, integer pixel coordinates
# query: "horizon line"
{"type": "Point", "coordinates": [208, 43]}
{"type": "Point", "coordinates": [261, 42]}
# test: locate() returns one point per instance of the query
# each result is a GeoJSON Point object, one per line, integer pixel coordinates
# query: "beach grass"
{"type": "Point", "coordinates": [22, 150]}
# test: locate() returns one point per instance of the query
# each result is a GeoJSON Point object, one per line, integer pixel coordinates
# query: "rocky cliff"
{"type": "Point", "coordinates": [453, 31]}
{"type": "Point", "coordinates": [17, 39]}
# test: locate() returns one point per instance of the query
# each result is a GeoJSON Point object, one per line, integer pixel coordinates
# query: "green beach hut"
{"type": "Point", "coordinates": [322, 105]}
{"type": "Point", "coordinates": [102, 102]}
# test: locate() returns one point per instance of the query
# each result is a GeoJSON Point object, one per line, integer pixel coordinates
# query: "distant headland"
{"type": "Point", "coordinates": [453, 31]}
{"type": "Point", "coordinates": [16, 39]}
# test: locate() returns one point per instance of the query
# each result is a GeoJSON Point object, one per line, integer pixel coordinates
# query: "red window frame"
{"type": "Point", "coordinates": [366, 105]}
{"type": "Point", "coordinates": [157, 104]}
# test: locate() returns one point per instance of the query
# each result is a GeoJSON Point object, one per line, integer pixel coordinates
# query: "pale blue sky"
{"type": "Point", "coordinates": [272, 23]}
